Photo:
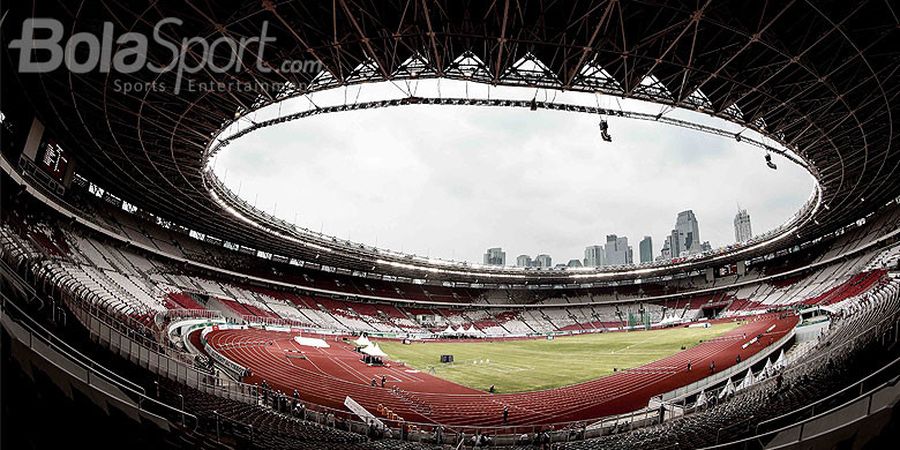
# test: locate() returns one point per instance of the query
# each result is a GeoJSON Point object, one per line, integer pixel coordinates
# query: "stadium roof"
{"type": "Point", "coordinates": [818, 77]}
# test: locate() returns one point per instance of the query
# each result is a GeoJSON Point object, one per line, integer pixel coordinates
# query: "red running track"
{"type": "Point", "coordinates": [326, 376]}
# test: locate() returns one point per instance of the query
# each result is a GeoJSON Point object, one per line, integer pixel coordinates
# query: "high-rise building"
{"type": "Point", "coordinates": [617, 250]}
{"type": "Point", "coordinates": [674, 244]}
{"type": "Point", "coordinates": [666, 252]}
{"type": "Point", "coordinates": [523, 261]}
{"type": "Point", "coordinates": [495, 257]}
{"type": "Point", "coordinates": [543, 261]}
{"type": "Point", "coordinates": [742, 230]}
{"type": "Point", "coordinates": [574, 263]}
{"type": "Point", "coordinates": [646, 249]}
{"type": "Point", "coordinates": [685, 238]}
{"type": "Point", "coordinates": [594, 256]}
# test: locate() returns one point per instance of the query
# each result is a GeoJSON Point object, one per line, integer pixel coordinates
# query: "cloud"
{"type": "Point", "coordinates": [451, 181]}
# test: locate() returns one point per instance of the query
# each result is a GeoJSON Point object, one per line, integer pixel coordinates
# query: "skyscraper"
{"type": "Point", "coordinates": [495, 257]}
{"type": "Point", "coordinates": [594, 256]}
{"type": "Point", "coordinates": [523, 261]}
{"type": "Point", "coordinates": [666, 252]}
{"type": "Point", "coordinates": [673, 244]}
{"type": "Point", "coordinates": [543, 261]}
{"type": "Point", "coordinates": [617, 250]}
{"type": "Point", "coordinates": [686, 235]}
{"type": "Point", "coordinates": [646, 248]}
{"type": "Point", "coordinates": [742, 230]}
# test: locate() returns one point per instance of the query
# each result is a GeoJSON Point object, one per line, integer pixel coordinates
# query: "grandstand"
{"type": "Point", "coordinates": [145, 304]}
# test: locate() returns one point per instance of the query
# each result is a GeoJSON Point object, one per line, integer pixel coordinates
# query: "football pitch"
{"type": "Point", "coordinates": [537, 364]}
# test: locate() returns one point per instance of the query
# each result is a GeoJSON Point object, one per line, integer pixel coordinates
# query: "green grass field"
{"type": "Point", "coordinates": [536, 364]}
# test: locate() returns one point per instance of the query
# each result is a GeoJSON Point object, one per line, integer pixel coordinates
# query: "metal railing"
{"type": "Point", "coordinates": [855, 390]}
{"type": "Point", "coordinates": [761, 440]}
{"type": "Point", "coordinates": [119, 335]}
{"type": "Point", "coordinates": [93, 371]}
{"type": "Point", "coordinates": [148, 353]}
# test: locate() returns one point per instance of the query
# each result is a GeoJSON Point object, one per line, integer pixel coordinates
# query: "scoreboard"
{"type": "Point", "coordinates": [52, 160]}
{"type": "Point", "coordinates": [45, 160]}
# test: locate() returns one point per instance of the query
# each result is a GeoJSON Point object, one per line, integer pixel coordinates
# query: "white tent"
{"type": "Point", "coordinates": [701, 399]}
{"type": "Point", "coordinates": [747, 381]}
{"type": "Point", "coordinates": [373, 350]}
{"type": "Point", "coordinates": [729, 389]}
{"type": "Point", "coordinates": [471, 331]}
{"type": "Point", "coordinates": [779, 363]}
{"type": "Point", "coordinates": [363, 341]}
{"type": "Point", "coordinates": [769, 369]}
{"type": "Point", "coordinates": [766, 372]}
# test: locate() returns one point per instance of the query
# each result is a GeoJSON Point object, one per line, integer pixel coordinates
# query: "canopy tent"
{"type": "Point", "coordinates": [747, 381]}
{"type": "Point", "coordinates": [728, 390]}
{"type": "Point", "coordinates": [362, 341]}
{"type": "Point", "coordinates": [373, 350]}
{"type": "Point", "coordinates": [766, 372]}
{"type": "Point", "coordinates": [701, 399]}
{"type": "Point", "coordinates": [780, 362]}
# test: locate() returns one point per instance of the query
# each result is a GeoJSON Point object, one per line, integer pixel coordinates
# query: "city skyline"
{"type": "Point", "coordinates": [686, 231]}
{"type": "Point", "coordinates": [531, 181]}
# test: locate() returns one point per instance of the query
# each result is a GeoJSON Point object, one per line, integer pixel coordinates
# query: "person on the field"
{"type": "Point", "coordinates": [383, 380]}
{"type": "Point", "coordinates": [689, 366]}
{"type": "Point", "coordinates": [505, 414]}
{"type": "Point", "coordinates": [374, 382]}
{"type": "Point", "coordinates": [491, 389]}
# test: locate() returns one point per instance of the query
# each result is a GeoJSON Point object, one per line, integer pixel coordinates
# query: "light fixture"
{"type": "Point", "coordinates": [604, 131]}
{"type": "Point", "coordinates": [770, 163]}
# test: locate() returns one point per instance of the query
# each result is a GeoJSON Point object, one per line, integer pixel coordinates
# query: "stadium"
{"type": "Point", "coordinates": [147, 303]}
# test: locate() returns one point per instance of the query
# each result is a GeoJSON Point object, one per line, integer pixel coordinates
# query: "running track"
{"type": "Point", "coordinates": [326, 376]}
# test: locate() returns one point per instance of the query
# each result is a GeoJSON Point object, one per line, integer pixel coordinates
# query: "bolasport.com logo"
{"type": "Point", "coordinates": [43, 47]}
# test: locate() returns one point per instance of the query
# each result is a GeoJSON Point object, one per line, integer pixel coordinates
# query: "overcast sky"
{"type": "Point", "coordinates": [450, 182]}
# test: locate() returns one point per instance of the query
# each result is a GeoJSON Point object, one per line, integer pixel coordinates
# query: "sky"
{"type": "Point", "coordinates": [452, 181]}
